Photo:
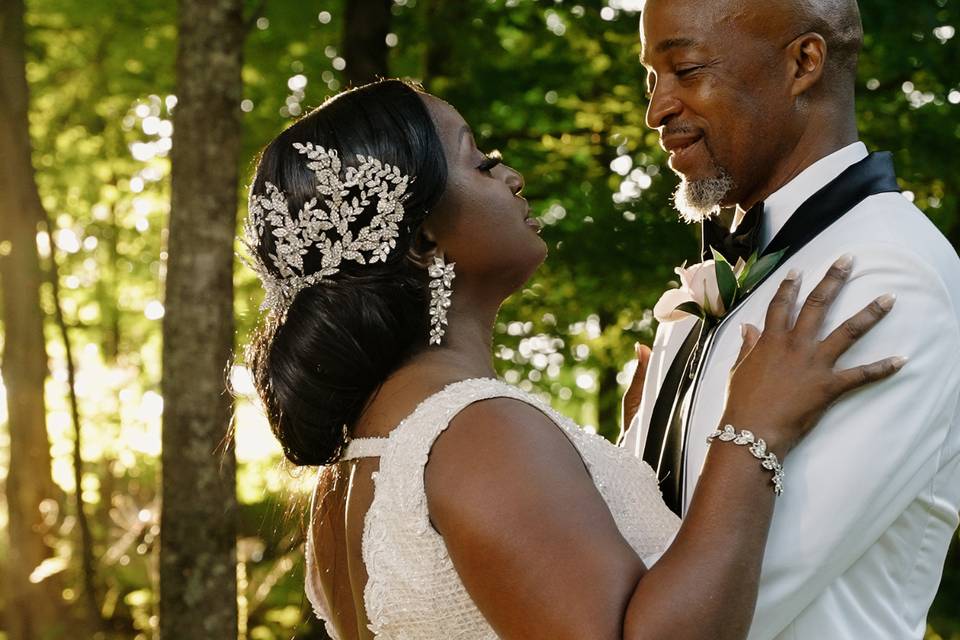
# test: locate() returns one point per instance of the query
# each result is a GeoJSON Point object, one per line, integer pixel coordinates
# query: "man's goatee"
{"type": "Point", "coordinates": [696, 200]}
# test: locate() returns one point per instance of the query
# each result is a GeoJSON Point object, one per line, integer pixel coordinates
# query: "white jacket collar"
{"type": "Point", "coordinates": [780, 205]}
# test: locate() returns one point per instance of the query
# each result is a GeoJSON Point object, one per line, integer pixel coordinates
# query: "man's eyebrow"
{"type": "Point", "coordinates": [675, 43]}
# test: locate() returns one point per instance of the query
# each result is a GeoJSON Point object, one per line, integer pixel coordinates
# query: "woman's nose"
{"type": "Point", "coordinates": [514, 181]}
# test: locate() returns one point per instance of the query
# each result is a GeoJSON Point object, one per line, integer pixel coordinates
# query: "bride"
{"type": "Point", "coordinates": [453, 505]}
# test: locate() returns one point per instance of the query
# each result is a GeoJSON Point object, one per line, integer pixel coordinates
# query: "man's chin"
{"type": "Point", "coordinates": [698, 199]}
{"type": "Point", "coordinates": [708, 174]}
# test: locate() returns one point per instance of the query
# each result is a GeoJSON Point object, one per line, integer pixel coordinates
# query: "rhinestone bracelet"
{"type": "Point", "coordinates": [768, 459]}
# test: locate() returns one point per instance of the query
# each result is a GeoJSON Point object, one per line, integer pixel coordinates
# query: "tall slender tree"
{"type": "Point", "coordinates": [198, 579]}
{"type": "Point", "coordinates": [88, 571]}
{"type": "Point", "coordinates": [365, 29]}
{"type": "Point", "coordinates": [34, 609]}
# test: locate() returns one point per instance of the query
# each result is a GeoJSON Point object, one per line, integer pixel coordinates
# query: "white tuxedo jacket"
{"type": "Point", "coordinates": [858, 540]}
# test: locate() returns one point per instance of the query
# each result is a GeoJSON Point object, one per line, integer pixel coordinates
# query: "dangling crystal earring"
{"type": "Point", "coordinates": [441, 286]}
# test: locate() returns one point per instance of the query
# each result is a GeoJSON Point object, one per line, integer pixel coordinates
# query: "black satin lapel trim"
{"type": "Point", "coordinates": [654, 449]}
{"type": "Point", "coordinates": [663, 405]}
{"type": "Point", "coordinates": [871, 176]}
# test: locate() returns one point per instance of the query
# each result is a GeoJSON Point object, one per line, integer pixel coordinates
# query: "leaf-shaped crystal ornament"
{"type": "Point", "coordinates": [326, 223]}
{"type": "Point", "coordinates": [728, 434]}
{"type": "Point", "coordinates": [758, 448]}
{"type": "Point", "coordinates": [441, 288]}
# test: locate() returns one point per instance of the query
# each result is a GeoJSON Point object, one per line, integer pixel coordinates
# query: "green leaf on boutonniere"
{"type": "Point", "coordinates": [747, 268]}
{"type": "Point", "coordinates": [692, 308]}
{"type": "Point", "coordinates": [760, 269]}
{"type": "Point", "coordinates": [726, 280]}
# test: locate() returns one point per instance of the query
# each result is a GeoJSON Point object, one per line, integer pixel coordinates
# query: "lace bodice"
{"type": "Point", "coordinates": [413, 590]}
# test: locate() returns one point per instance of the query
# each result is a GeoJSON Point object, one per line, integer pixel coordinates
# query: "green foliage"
{"type": "Point", "coordinates": [554, 85]}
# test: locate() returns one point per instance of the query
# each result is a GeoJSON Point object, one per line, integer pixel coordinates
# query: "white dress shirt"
{"type": "Point", "coordinates": [858, 540]}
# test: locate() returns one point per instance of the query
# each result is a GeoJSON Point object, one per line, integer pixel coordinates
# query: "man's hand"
{"type": "Point", "coordinates": [631, 399]}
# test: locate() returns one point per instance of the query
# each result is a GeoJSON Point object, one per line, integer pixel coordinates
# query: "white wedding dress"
{"type": "Point", "coordinates": [413, 590]}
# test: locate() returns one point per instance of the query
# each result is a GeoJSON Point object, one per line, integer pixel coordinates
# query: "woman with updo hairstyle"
{"type": "Point", "coordinates": [451, 504]}
{"type": "Point", "coordinates": [338, 343]}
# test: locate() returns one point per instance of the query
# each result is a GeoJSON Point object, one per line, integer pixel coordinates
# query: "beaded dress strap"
{"type": "Point", "coordinates": [365, 448]}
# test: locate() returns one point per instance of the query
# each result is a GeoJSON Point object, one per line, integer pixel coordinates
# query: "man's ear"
{"type": "Point", "coordinates": [807, 55]}
{"type": "Point", "coordinates": [424, 248]}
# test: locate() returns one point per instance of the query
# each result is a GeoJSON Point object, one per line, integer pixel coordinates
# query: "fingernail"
{"type": "Point", "coordinates": [793, 274]}
{"type": "Point", "coordinates": [886, 301]}
{"type": "Point", "coordinates": [845, 262]}
{"type": "Point", "coordinates": [899, 361]}
{"type": "Point", "coordinates": [636, 347]}
{"type": "Point", "coordinates": [743, 330]}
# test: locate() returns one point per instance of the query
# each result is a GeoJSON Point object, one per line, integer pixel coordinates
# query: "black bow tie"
{"type": "Point", "coordinates": [742, 243]}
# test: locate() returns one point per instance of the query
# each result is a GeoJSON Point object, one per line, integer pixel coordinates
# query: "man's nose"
{"type": "Point", "coordinates": [663, 105]}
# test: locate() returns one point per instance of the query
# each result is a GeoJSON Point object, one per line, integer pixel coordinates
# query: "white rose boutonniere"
{"type": "Point", "coordinates": [711, 288]}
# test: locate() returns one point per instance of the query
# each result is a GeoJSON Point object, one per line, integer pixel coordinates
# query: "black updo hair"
{"type": "Point", "coordinates": [316, 368]}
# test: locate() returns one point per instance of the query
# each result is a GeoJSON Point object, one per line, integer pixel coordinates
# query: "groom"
{"type": "Point", "coordinates": [754, 100]}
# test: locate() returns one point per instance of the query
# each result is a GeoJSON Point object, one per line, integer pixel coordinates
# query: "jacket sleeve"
{"type": "Point", "coordinates": [875, 451]}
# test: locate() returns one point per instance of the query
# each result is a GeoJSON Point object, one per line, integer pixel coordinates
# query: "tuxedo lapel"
{"type": "Point", "coordinates": [872, 175]}
{"type": "Point", "coordinates": [663, 449]}
{"type": "Point", "coordinates": [665, 446]}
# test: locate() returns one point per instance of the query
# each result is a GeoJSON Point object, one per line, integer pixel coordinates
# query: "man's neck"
{"type": "Point", "coordinates": [812, 146]}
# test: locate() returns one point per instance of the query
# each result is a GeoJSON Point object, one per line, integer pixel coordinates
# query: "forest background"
{"type": "Point", "coordinates": [127, 136]}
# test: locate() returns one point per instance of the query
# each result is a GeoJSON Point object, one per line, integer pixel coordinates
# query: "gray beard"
{"type": "Point", "coordinates": [697, 200]}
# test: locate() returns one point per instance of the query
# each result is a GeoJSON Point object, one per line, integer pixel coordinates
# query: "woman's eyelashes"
{"type": "Point", "coordinates": [490, 160]}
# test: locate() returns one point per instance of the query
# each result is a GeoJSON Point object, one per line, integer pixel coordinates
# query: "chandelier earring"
{"type": "Point", "coordinates": [441, 287]}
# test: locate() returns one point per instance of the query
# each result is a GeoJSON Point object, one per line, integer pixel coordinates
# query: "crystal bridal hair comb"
{"type": "Point", "coordinates": [324, 223]}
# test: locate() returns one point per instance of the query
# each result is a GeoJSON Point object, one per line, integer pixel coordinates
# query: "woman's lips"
{"type": "Point", "coordinates": [530, 221]}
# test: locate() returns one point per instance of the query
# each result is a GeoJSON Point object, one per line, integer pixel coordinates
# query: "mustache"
{"type": "Point", "coordinates": [679, 130]}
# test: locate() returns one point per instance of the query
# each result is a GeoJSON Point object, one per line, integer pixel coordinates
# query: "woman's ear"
{"type": "Point", "coordinates": [424, 248]}
{"type": "Point", "coordinates": [808, 55]}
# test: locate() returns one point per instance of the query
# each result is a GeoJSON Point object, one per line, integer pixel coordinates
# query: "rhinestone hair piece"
{"type": "Point", "coordinates": [324, 222]}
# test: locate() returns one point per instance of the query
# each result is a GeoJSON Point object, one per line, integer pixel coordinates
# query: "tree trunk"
{"type": "Point", "coordinates": [33, 610]}
{"type": "Point", "coordinates": [608, 389]}
{"type": "Point", "coordinates": [365, 29]}
{"type": "Point", "coordinates": [440, 60]}
{"type": "Point", "coordinates": [198, 575]}
{"type": "Point", "coordinates": [608, 403]}
{"type": "Point", "coordinates": [108, 286]}
{"type": "Point", "coordinates": [88, 569]}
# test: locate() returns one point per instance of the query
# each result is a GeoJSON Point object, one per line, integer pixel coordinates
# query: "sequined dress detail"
{"type": "Point", "coordinates": [413, 590]}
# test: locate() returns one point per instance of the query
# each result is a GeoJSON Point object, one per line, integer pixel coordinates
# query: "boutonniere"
{"type": "Point", "coordinates": [711, 288]}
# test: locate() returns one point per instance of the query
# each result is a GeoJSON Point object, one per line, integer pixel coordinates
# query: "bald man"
{"type": "Point", "coordinates": [754, 100]}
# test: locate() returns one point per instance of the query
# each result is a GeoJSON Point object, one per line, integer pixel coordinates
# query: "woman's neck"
{"type": "Point", "coordinates": [466, 350]}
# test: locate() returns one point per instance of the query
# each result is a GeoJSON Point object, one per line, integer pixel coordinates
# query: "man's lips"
{"type": "Point", "coordinates": [683, 150]}
{"type": "Point", "coordinates": [678, 143]}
